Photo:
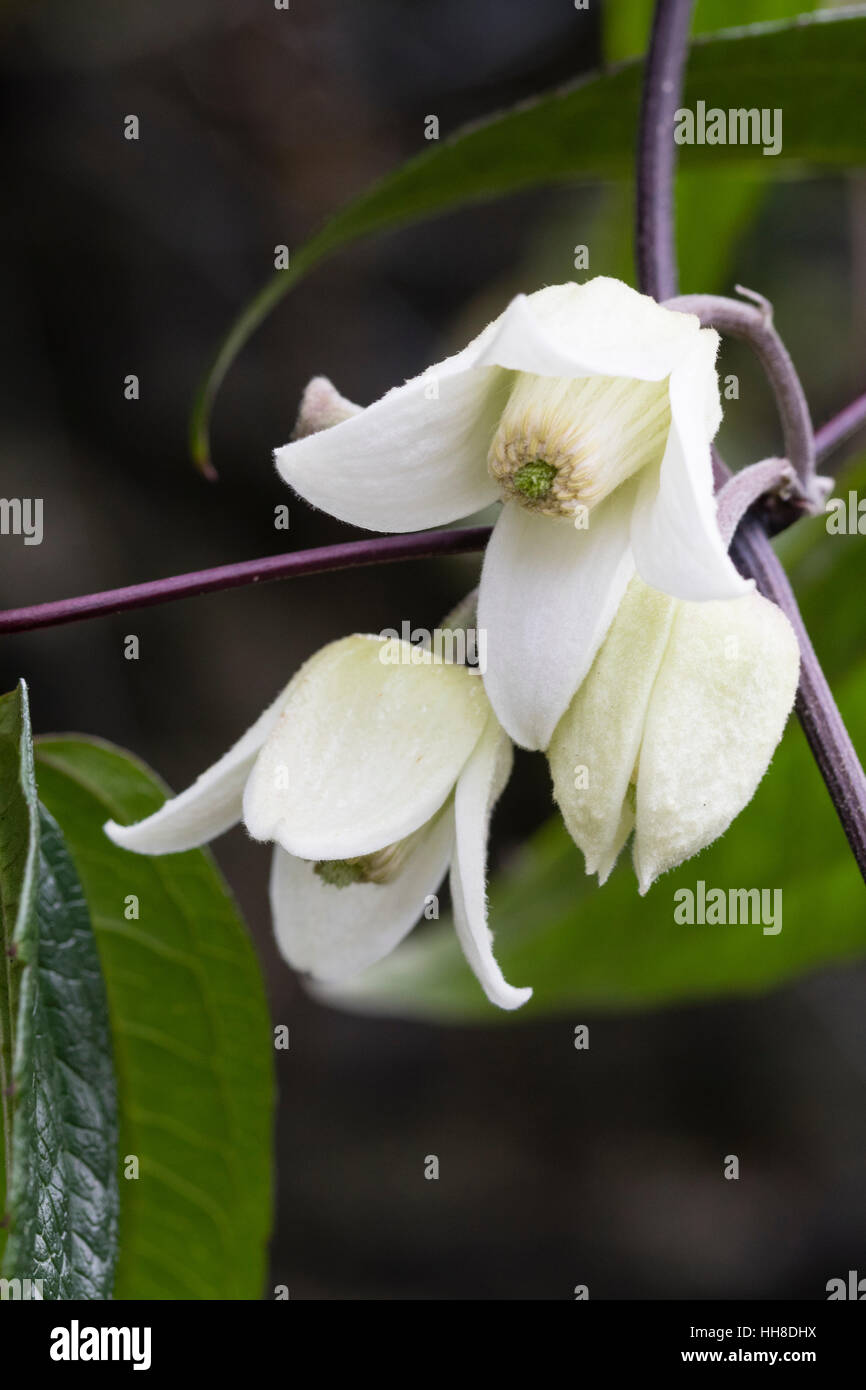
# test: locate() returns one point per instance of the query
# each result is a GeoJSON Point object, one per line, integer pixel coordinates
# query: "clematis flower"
{"type": "Point", "coordinates": [588, 410]}
{"type": "Point", "coordinates": [673, 728]}
{"type": "Point", "coordinates": [374, 770]}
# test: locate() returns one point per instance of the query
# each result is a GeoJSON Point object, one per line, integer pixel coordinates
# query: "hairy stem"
{"type": "Point", "coordinates": [742, 490]}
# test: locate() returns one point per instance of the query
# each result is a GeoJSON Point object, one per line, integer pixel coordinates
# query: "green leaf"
{"type": "Point", "coordinates": [61, 1127]}
{"type": "Point", "coordinates": [814, 69]}
{"type": "Point", "coordinates": [192, 1039]}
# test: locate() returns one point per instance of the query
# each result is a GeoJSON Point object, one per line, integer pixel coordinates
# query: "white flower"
{"type": "Point", "coordinates": [673, 728]}
{"type": "Point", "coordinates": [372, 772]}
{"type": "Point", "coordinates": [589, 411]}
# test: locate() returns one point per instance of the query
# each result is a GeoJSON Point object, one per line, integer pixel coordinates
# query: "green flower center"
{"type": "Point", "coordinates": [534, 480]}
{"type": "Point", "coordinates": [341, 873]}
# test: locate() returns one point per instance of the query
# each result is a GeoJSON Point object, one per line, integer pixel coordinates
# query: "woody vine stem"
{"type": "Point", "coordinates": [751, 550]}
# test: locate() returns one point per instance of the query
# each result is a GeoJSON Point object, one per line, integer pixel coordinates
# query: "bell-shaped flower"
{"type": "Point", "coordinates": [588, 410]}
{"type": "Point", "coordinates": [375, 770]}
{"type": "Point", "coordinates": [673, 728]}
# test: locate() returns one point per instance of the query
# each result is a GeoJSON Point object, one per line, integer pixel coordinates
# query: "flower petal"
{"type": "Point", "coordinates": [599, 328]}
{"type": "Point", "coordinates": [368, 747]}
{"type": "Point", "coordinates": [548, 595]}
{"type": "Point", "coordinates": [674, 532]}
{"type": "Point", "coordinates": [210, 806]}
{"type": "Point", "coordinates": [415, 458]}
{"type": "Point", "coordinates": [718, 709]}
{"type": "Point", "coordinates": [594, 751]}
{"type": "Point", "coordinates": [333, 933]}
{"type": "Point", "coordinates": [322, 407]}
{"type": "Point", "coordinates": [480, 784]}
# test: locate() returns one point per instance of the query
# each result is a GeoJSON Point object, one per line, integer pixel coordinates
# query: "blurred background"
{"type": "Point", "coordinates": [557, 1167]}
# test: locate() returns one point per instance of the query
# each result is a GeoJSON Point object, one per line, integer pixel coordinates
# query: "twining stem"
{"type": "Point", "coordinates": [751, 550]}
{"type": "Point", "coordinates": [742, 490]}
{"type": "Point", "coordinates": [754, 325]}
{"type": "Point", "coordinates": [418, 545]}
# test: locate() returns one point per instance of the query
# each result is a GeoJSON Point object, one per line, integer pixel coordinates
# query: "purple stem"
{"type": "Point", "coordinates": [819, 714]}
{"type": "Point", "coordinates": [840, 428]}
{"type": "Point", "coordinates": [379, 550]}
{"type": "Point", "coordinates": [755, 326]}
{"type": "Point", "coordinates": [751, 550]}
{"type": "Point", "coordinates": [742, 490]}
{"type": "Point", "coordinates": [657, 151]}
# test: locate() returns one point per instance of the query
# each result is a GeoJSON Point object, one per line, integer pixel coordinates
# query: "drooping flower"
{"type": "Point", "coordinates": [588, 410]}
{"type": "Point", "coordinates": [374, 770]}
{"type": "Point", "coordinates": [673, 728]}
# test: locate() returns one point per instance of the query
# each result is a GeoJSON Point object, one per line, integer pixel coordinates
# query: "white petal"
{"type": "Point", "coordinates": [547, 597]}
{"type": "Point", "coordinates": [366, 749]}
{"type": "Point", "coordinates": [210, 806]}
{"type": "Point", "coordinates": [594, 751]}
{"type": "Point", "coordinates": [600, 328]}
{"type": "Point", "coordinates": [674, 533]}
{"type": "Point", "coordinates": [415, 458]}
{"type": "Point", "coordinates": [721, 699]}
{"type": "Point", "coordinates": [333, 933]}
{"type": "Point", "coordinates": [479, 786]}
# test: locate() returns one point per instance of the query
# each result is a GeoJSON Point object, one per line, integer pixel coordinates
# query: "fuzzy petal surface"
{"type": "Point", "coordinates": [369, 745]}
{"type": "Point", "coordinates": [595, 749]}
{"type": "Point", "coordinates": [718, 709]}
{"type": "Point", "coordinates": [334, 933]}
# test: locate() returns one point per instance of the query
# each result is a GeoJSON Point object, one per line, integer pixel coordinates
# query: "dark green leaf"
{"type": "Point", "coordinates": [62, 1190]}
{"type": "Point", "coordinates": [813, 69]}
{"type": "Point", "coordinates": [192, 1039]}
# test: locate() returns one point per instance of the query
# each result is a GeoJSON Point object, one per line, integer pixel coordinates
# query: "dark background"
{"type": "Point", "coordinates": [557, 1167]}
